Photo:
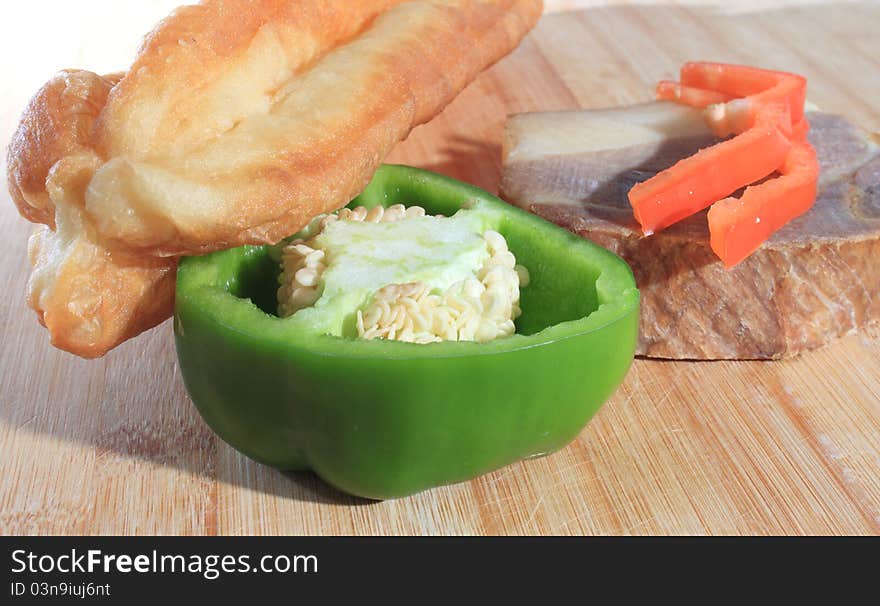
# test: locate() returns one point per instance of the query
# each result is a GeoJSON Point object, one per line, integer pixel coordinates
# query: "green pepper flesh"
{"type": "Point", "coordinates": [384, 419]}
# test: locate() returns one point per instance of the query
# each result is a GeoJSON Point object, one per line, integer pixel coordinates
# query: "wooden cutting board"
{"type": "Point", "coordinates": [115, 446]}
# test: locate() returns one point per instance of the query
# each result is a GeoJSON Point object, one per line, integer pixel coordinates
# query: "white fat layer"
{"type": "Point", "coordinates": [535, 136]}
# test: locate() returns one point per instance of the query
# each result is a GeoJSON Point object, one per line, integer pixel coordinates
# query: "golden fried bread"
{"type": "Point", "coordinates": [238, 122]}
{"type": "Point", "coordinates": [92, 299]}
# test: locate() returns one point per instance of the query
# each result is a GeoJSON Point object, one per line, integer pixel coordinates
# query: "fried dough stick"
{"type": "Point", "coordinates": [237, 123]}
{"type": "Point", "coordinates": [90, 298]}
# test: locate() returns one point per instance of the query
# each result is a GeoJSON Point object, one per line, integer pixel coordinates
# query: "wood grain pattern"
{"type": "Point", "coordinates": [792, 447]}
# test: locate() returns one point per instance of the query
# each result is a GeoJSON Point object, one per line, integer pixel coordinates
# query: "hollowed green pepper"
{"type": "Point", "coordinates": [383, 419]}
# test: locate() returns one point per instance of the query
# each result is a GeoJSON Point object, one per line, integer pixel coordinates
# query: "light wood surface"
{"type": "Point", "coordinates": [115, 446]}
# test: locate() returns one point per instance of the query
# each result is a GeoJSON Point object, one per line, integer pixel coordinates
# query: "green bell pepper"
{"type": "Point", "coordinates": [384, 419]}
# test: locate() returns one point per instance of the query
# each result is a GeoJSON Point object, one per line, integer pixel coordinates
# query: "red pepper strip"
{"type": "Point", "coordinates": [800, 130]}
{"type": "Point", "coordinates": [713, 173]}
{"type": "Point", "coordinates": [738, 227]}
{"type": "Point", "coordinates": [753, 88]}
{"type": "Point", "coordinates": [689, 95]}
{"type": "Point", "coordinates": [730, 79]}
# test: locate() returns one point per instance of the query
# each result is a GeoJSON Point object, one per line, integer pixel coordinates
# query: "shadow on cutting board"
{"type": "Point", "coordinates": [469, 160]}
{"type": "Point", "coordinates": [132, 414]}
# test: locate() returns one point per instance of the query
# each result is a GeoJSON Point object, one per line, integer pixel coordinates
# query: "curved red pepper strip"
{"type": "Point", "coordinates": [765, 110]}
{"type": "Point", "coordinates": [752, 89]}
{"type": "Point", "coordinates": [696, 182]}
{"type": "Point", "coordinates": [738, 227]}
